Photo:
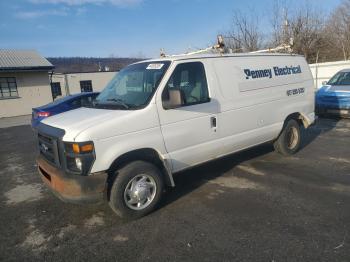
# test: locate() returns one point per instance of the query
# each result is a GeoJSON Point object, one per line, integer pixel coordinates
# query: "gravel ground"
{"type": "Point", "coordinates": [252, 206]}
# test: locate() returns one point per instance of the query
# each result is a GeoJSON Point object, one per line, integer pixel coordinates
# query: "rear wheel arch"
{"type": "Point", "coordinates": [289, 140]}
{"type": "Point", "coordinates": [144, 154]}
{"type": "Point", "coordinates": [299, 117]}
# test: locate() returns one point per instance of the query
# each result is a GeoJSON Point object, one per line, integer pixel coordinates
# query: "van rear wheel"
{"type": "Point", "coordinates": [288, 142]}
{"type": "Point", "coordinates": [136, 190]}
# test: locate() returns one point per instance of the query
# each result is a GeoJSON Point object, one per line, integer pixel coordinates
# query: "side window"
{"type": "Point", "coordinates": [56, 89]}
{"type": "Point", "coordinates": [86, 101]}
{"type": "Point", "coordinates": [86, 86]}
{"type": "Point", "coordinates": [190, 80]}
{"type": "Point", "coordinates": [8, 87]}
{"type": "Point", "coordinates": [75, 103]}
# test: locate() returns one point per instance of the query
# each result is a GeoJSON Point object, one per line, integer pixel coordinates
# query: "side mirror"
{"type": "Point", "coordinates": [173, 98]}
{"type": "Point", "coordinates": [324, 83]}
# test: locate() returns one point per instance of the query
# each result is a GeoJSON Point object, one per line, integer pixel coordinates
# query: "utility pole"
{"type": "Point", "coordinates": [285, 29]}
{"type": "Point", "coordinates": [66, 84]}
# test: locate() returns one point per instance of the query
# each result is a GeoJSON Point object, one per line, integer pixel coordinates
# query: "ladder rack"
{"type": "Point", "coordinates": [221, 48]}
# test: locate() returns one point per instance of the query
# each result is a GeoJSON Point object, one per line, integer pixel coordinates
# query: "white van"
{"type": "Point", "coordinates": [161, 116]}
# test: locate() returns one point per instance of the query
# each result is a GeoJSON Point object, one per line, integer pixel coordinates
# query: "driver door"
{"type": "Point", "coordinates": [190, 129]}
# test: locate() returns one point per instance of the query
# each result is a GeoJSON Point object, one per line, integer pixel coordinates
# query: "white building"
{"type": "Point", "coordinates": [24, 82]}
{"type": "Point", "coordinates": [27, 80]}
{"type": "Point", "coordinates": [71, 83]}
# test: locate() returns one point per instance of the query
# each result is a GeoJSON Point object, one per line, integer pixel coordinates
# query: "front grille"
{"type": "Point", "coordinates": [48, 148]}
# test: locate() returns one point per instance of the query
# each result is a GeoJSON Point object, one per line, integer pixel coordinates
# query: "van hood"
{"type": "Point", "coordinates": [76, 121]}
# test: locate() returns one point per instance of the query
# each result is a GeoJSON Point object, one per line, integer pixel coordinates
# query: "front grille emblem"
{"type": "Point", "coordinates": [44, 147]}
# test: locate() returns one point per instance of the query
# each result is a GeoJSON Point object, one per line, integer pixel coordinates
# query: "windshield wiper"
{"type": "Point", "coordinates": [119, 102]}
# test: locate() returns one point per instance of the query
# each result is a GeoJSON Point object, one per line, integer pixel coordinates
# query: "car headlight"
{"type": "Point", "coordinates": [78, 163]}
{"type": "Point", "coordinates": [79, 157]}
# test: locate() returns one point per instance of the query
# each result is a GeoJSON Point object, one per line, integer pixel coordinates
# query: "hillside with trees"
{"type": "Point", "coordinates": [89, 64]}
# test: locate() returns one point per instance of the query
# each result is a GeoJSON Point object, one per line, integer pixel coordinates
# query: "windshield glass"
{"type": "Point", "coordinates": [340, 78]}
{"type": "Point", "coordinates": [133, 87]}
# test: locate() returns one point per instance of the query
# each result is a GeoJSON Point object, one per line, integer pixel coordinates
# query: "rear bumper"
{"type": "Point", "coordinates": [73, 188]}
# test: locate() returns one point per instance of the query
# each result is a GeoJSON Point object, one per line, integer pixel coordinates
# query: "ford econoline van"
{"type": "Point", "coordinates": [162, 116]}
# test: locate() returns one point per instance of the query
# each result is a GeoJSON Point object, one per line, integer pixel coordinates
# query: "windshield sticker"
{"type": "Point", "coordinates": [154, 66]}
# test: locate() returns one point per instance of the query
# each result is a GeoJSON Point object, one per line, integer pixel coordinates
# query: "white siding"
{"type": "Point", "coordinates": [33, 90]}
{"type": "Point", "coordinates": [324, 71]}
{"type": "Point", "coordinates": [99, 80]}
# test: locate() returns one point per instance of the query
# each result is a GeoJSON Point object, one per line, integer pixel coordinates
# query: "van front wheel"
{"type": "Point", "coordinates": [136, 190]}
{"type": "Point", "coordinates": [288, 142]}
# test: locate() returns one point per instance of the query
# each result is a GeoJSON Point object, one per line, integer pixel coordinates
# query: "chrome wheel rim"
{"type": "Point", "coordinates": [292, 137]}
{"type": "Point", "coordinates": [140, 192]}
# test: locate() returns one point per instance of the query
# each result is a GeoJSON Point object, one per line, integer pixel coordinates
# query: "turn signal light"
{"type": "Point", "coordinates": [87, 148]}
{"type": "Point", "coordinates": [82, 148]}
{"type": "Point", "coordinates": [76, 148]}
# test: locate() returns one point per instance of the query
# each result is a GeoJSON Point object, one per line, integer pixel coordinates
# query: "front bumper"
{"type": "Point", "coordinates": [73, 188]}
{"type": "Point", "coordinates": [333, 105]}
{"type": "Point", "coordinates": [336, 111]}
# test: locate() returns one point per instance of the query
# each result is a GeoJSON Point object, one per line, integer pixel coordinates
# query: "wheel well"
{"type": "Point", "coordinates": [298, 117]}
{"type": "Point", "coordinates": [146, 154]}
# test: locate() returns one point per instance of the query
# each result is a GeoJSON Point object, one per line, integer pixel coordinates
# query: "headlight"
{"type": "Point", "coordinates": [78, 163]}
{"type": "Point", "coordinates": [79, 157]}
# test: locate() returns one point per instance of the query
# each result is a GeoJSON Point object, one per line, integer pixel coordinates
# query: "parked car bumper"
{"type": "Point", "coordinates": [334, 105]}
{"type": "Point", "coordinates": [73, 188]}
{"type": "Point", "coordinates": [333, 111]}
{"type": "Point", "coordinates": [36, 121]}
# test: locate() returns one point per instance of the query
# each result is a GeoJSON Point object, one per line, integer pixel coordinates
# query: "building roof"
{"type": "Point", "coordinates": [23, 60]}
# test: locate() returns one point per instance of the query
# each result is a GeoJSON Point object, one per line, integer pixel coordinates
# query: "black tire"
{"type": "Point", "coordinates": [288, 142]}
{"type": "Point", "coordinates": [118, 194]}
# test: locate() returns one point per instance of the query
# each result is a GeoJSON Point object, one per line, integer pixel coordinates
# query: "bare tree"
{"type": "Point", "coordinates": [244, 35]}
{"type": "Point", "coordinates": [317, 36]}
{"type": "Point", "coordinates": [280, 24]}
{"type": "Point", "coordinates": [307, 31]}
{"type": "Point", "coordinates": [304, 26]}
{"type": "Point", "coordinates": [338, 31]}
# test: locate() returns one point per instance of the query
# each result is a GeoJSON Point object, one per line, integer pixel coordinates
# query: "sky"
{"type": "Point", "coordinates": [125, 28]}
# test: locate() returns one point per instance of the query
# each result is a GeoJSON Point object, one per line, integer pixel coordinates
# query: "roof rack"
{"type": "Point", "coordinates": [221, 49]}
{"type": "Point", "coordinates": [285, 47]}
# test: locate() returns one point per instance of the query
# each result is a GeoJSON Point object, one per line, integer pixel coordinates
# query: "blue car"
{"type": "Point", "coordinates": [334, 96]}
{"type": "Point", "coordinates": [62, 105]}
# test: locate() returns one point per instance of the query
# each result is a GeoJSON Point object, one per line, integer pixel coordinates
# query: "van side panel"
{"type": "Point", "coordinates": [254, 101]}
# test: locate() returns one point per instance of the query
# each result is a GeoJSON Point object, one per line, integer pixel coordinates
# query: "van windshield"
{"type": "Point", "coordinates": [133, 87]}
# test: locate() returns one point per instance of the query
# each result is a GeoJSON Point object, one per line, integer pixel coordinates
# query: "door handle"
{"type": "Point", "coordinates": [213, 122]}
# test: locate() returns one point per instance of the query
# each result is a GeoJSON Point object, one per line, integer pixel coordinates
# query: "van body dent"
{"type": "Point", "coordinates": [161, 116]}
